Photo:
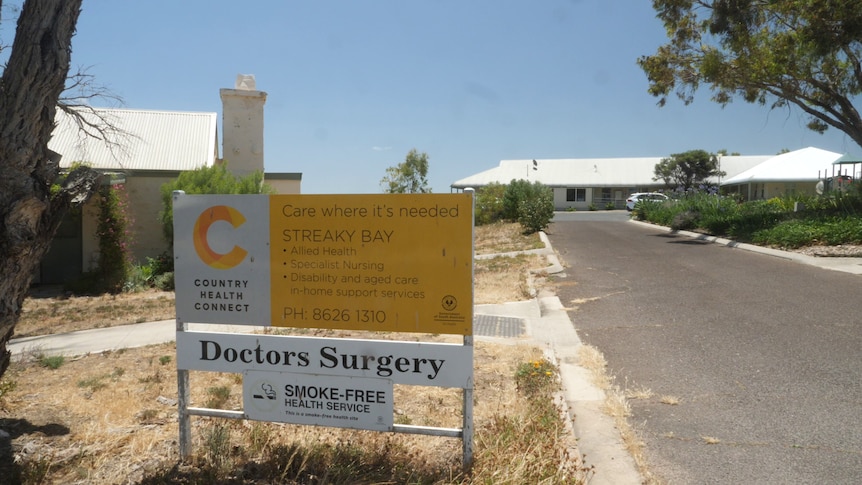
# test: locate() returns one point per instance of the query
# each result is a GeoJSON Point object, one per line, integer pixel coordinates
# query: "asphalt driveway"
{"type": "Point", "coordinates": [753, 362]}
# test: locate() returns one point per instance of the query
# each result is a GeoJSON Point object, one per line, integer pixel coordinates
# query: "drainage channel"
{"type": "Point", "coordinates": [495, 326]}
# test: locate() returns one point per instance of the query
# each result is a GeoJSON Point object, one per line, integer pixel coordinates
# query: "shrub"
{"type": "Point", "coordinates": [685, 220]}
{"type": "Point", "coordinates": [535, 213]}
{"type": "Point", "coordinates": [114, 236]}
{"type": "Point", "coordinates": [489, 204]}
{"type": "Point", "coordinates": [52, 362]}
{"type": "Point", "coordinates": [516, 192]}
{"type": "Point", "coordinates": [832, 219]}
{"type": "Point", "coordinates": [165, 281]}
{"type": "Point", "coordinates": [536, 377]}
{"type": "Point", "coordinates": [214, 179]}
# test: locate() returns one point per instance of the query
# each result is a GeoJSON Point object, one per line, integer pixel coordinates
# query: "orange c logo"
{"type": "Point", "coordinates": [202, 225]}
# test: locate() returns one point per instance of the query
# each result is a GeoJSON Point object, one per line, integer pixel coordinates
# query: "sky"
{"type": "Point", "coordinates": [353, 86]}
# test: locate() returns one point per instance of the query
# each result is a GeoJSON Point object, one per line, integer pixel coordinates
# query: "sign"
{"type": "Point", "coordinates": [381, 262]}
{"type": "Point", "coordinates": [344, 402]}
{"type": "Point", "coordinates": [411, 363]}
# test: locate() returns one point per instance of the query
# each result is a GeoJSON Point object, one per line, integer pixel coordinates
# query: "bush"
{"type": "Point", "coordinates": [489, 204]}
{"type": "Point", "coordinates": [215, 179]}
{"type": "Point", "coordinates": [516, 192]}
{"type": "Point", "coordinates": [164, 281]}
{"type": "Point", "coordinates": [685, 220]}
{"type": "Point", "coordinates": [832, 219]}
{"type": "Point", "coordinates": [535, 213]}
{"type": "Point", "coordinates": [114, 236]}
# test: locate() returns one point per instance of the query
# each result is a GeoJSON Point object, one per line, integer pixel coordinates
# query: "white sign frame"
{"type": "Point", "coordinates": [255, 285]}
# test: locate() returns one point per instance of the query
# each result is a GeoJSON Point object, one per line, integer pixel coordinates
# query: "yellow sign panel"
{"type": "Point", "coordinates": [385, 262]}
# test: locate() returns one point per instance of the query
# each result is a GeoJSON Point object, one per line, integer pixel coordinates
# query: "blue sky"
{"type": "Point", "coordinates": [354, 85]}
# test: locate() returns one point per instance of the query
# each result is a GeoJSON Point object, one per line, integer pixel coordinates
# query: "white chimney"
{"type": "Point", "coordinates": [242, 124]}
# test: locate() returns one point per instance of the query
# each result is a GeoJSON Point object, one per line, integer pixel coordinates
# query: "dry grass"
{"type": "Point", "coordinates": [504, 278]}
{"type": "Point", "coordinates": [616, 406]}
{"type": "Point", "coordinates": [50, 311]}
{"type": "Point", "coordinates": [504, 237]}
{"type": "Point", "coordinates": [124, 429]}
{"type": "Point", "coordinates": [111, 417]}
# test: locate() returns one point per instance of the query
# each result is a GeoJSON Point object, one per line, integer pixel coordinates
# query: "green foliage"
{"type": "Point", "coordinates": [114, 268]}
{"type": "Point", "coordinates": [536, 377]}
{"type": "Point", "coordinates": [688, 169]}
{"type": "Point", "coordinates": [792, 52]}
{"type": "Point", "coordinates": [215, 179]}
{"type": "Point", "coordinates": [516, 192]}
{"type": "Point", "coordinates": [218, 396]}
{"type": "Point", "coordinates": [530, 204]}
{"type": "Point", "coordinates": [7, 386]}
{"type": "Point", "coordinates": [536, 212]}
{"type": "Point", "coordinates": [52, 362]}
{"type": "Point", "coordinates": [157, 273]}
{"type": "Point", "coordinates": [217, 447]}
{"type": "Point", "coordinates": [489, 203]}
{"type": "Point", "coordinates": [409, 176]}
{"type": "Point", "coordinates": [113, 232]}
{"type": "Point", "coordinates": [798, 233]}
{"type": "Point", "coordinates": [826, 220]}
{"type": "Point", "coordinates": [164, 281]}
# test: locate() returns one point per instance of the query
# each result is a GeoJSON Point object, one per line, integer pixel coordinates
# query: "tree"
{"type": "Point", "coordinates": [688, 169]}
{"type": "Point", "coordinates": [30, 208]}
{"type": "Point", "coordinates": [215, 179]}
{"type": "Point", "coordinates": [409, 176]}
{"type": "Point", "coordinates": [784, 53]}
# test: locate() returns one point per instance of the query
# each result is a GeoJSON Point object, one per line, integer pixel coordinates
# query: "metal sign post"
{"type": "Point", "coordinates": [397, 263]}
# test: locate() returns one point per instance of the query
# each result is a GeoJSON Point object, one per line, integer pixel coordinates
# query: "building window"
{"type": "Point", "coordinates": [576, 195]}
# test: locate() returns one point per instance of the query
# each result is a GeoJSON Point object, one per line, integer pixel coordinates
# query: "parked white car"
{"type": "Point", "coordinates": [639, 196]}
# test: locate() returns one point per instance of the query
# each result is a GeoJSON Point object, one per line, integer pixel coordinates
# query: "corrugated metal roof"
{"type": "Point", "coordinates": [153, 140]}
{"type": "Point", "coordinates": [590, 172]}
{"type": "Point", "coordinates": [796, 166]}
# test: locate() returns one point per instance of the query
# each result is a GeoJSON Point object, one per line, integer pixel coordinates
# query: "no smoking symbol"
{"type": "Point", "coordinates": [450, 303]}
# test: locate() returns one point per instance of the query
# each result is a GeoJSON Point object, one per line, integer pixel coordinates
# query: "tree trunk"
{"type": "Point", "coordinates": [34, 77]}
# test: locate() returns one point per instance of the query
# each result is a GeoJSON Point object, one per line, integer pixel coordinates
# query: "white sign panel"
{"type": "Point", "coordinates": [222, 259]}
{"type": "Point", "coordinates": [343, 402]}
{"type": "Point", "coordinates": [411, 363]}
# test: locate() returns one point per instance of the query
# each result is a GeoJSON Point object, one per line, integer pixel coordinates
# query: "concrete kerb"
{"type": "Point", "coordinates": [851, 265]}
{"type": "Point", "coordinates": [599, 442]}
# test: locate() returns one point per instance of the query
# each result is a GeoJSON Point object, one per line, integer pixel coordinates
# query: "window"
{"type": "Point", "coordinates": [576, 195]}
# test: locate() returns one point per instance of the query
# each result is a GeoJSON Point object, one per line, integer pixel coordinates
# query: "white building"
{"type": "Point", "coordinates": [579, 183]}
